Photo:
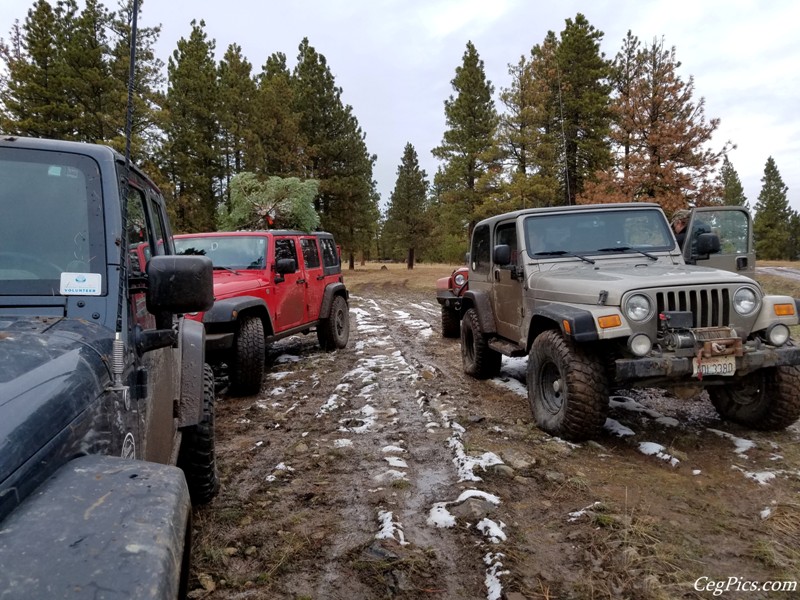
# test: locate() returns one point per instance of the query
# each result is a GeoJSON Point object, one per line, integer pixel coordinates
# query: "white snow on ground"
{"type": "Point", "coordinates": [493, 573]}
{"type": "Point", "coordinates": [466, 464]}
{"type": "Point", "coordinates": [493, 531]}
{"type": "Point", "coordinates": [617, 428]}
{"type": "Point", "coordinates": [659, 451]}
{"type": "Point", "coordinates": [574, 516]}
{"type": "Point", "coordinates": [632, 405]}
{"type": "Point", "coordinates": [390, 529]}
{"type": "Point", "coordinates": [742, 445]}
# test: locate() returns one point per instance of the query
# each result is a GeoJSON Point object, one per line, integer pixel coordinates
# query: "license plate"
{"type": "Point", "coordinates": [716, 365]}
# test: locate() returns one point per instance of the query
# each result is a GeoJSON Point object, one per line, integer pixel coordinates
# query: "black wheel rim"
{"type": "Point", "coordinates": [551, 387]}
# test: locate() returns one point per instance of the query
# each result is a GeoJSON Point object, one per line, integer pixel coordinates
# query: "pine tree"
{"type": "Point", "coordinates": [283, 203]}
{"type": "Point", "coordinates": [237, 92]}
{"type": "Point", "coordinates": [524, 149]}
{"type": "Point", "coordinates": [192, 152]}
{"type": "Point", "coordinates": [278, 147]}
{"type": "Point", "coordinates": [660, 136]}
{"type": "Point", "coordinates": [732, 190]}
{"type": "Point", "coordinates": [34, 99]}
{"type": "Point", "coordinates": [584, 98]}
{"type": "Point", "coordinates": [88, 81]}
{"type": "Point", "coordinates": [407, 225]}
{"type": "Point", "coordinates": [335, 153]}
{"type": "Point", "coordinates": [771, 224]}
{"type": "Point", "coordinates": [467, 143]}
{"type": "Point", "coordinates": [147, 98]}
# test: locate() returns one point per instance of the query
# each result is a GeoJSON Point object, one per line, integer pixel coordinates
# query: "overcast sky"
{"type": "Point", "coordinates": [395, 59]}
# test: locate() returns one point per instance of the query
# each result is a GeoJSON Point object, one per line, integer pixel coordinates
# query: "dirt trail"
{"type": "Point", "coordinates": [340, 476]}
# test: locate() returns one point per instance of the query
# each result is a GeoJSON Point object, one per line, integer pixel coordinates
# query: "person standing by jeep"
{"type": "Point", "coordinates": [680, 220]}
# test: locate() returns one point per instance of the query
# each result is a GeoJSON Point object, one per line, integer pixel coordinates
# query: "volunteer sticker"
{"type": "Point", "coordinates": [81, 284]}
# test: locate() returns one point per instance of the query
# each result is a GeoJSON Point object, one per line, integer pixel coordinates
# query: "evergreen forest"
{"type": "Point", "coordinates": [233, 145]}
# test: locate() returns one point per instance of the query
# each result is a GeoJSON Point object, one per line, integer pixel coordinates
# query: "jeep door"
{"type": "Point", "coordinates": [507, 284]}
{"type": "Point", "coordinates": [734, 227]}
{"type": "Point", "coordinates": [156, 376]}
{"type": "Point", "coordinates": [290, 288]}
{"type": "Point", "coordinates": [315, 277]}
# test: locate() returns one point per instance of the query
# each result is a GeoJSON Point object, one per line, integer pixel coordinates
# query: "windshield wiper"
{"type": "Point", "coordinates": [564, 253]}
{"type": "Point", "coordinates": [220, 267]}
{"type": "Point", "coordinates": [626, 249]}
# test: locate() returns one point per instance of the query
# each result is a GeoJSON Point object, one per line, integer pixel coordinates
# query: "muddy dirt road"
{"type": "Point", "coordinates": [382, 471]}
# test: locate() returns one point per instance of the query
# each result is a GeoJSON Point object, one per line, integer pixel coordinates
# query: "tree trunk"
{"type": "Point", "coordinates": [410, 262]}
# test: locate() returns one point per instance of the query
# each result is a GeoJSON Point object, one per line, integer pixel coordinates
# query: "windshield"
{"type": "Point", "coordinates": [227, 252]}
{"type": "Point", "coordinates": [597, 232]}
{"type": "Point", "coordinates": [51, 224]}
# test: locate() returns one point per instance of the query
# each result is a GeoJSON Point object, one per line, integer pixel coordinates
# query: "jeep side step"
{"type": "Point", "coordinates": [505, 347]}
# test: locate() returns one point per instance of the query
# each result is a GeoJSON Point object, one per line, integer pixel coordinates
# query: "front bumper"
{"type": "Point", "coordinates": [679, 369]}
{"type": "Point", "coordinates": [448, 299]}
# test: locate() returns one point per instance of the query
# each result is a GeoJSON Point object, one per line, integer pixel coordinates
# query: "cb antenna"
{"type": "Point", "coordinates": [118, 350]}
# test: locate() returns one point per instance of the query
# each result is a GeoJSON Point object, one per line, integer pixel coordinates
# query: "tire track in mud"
{"type": "Point", "coordinates": [425, 451]}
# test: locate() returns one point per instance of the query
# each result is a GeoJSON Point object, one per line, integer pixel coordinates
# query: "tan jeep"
{"type": "Point", "coordinates": [600, 296]}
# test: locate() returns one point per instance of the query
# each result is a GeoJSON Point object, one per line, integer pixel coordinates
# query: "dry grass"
{"type": "Point", "coordinates": [422, 277]}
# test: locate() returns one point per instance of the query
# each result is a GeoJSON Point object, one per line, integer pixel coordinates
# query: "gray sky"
{"type": "Point", "coordinates": [394, 59]}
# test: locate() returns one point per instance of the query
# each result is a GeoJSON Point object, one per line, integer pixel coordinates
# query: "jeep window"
{"type": "Point", "coordinates": [506, 234]}
{"type": "Point", "coordinates": [226, 252]}
{"type": "Point", "coordinates": [597, 232]}
{"type": "Point", "coordinates": [730, 225]}
{"type": "Point", "coordinates": [330, 256]}
{"type": "Point", "coordinates": [310, 252]}
{"type": "Point", "coordinates": [480, 252]}
{"type": "Point", "coordinates": [138, 232]}
{"type": "Point", "coordinates": [52, 220]}
{"type": "Point", "coordinates": [284, 248]}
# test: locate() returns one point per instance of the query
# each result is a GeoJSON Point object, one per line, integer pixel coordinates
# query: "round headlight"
{"type": "Point", "coordinates": [745, 301]}
{"type": "Point", "coordinates": [640, 345]}
{"type": "Point", "coordinates": [778, 335]}
{"type": "Point", "coordinates": [459, 279]}
{"type": "Point", "coordinates": [638, 307]}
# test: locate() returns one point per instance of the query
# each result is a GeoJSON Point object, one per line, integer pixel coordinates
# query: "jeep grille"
{"type": "Point", "coordinates": [710, 306]}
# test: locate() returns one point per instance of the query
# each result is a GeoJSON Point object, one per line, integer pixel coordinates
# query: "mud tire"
{"type": "Point", "coordinates": [247, 358]}
{"type": "Point", "coordinates": [451, 323]}
{"type": "Point", "coordinates": [479, 360]}
{"type": "Point", "coordinates": [197, 454]}
{"type": "Point", "coordinates": [567, 388]}
{"type": "Point", "coordinates": [767, 399]}
{"type": "Point", "coordinates": [333, 332]}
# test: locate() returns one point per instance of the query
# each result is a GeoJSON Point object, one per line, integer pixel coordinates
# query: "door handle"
{"type": "Point", "coordinates": [497, 274]}
{"type": "Point", "coordinates": [320, 277]}
{"type": "Point", "coordinates": [299, 281]}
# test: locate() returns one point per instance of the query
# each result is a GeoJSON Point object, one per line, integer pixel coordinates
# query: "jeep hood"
{"type": "Point", "coordinates": [230, 284]}
{"type": "Point", "coordinates": [581, 283]}
{"type": "Point", "coordinates": [52, 370]}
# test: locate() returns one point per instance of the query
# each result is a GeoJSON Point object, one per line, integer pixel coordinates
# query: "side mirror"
{"type": "Point", "coordinates": [707, 243]}
{"type": "Point", "coordinates": [501, 255]}
{"type": "Point", "coordinates": [179, 284]}
{"type": "Point", "coordinates": [286, 266]}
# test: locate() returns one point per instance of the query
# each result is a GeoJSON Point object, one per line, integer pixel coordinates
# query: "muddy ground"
{"type": "Point", "coordinates": [383, 471]}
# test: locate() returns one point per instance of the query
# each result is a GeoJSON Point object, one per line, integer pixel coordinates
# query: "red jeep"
{"type": "Point", "coordinates": [449, 291]}
{"type": "Point", "coordinates": [268, 285]}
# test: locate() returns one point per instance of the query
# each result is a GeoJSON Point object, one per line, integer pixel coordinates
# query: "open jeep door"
{"type": "Point", "coordinates": [734, 227]}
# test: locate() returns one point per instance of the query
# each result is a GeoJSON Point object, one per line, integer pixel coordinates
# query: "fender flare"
{"type": "Point", "coordinates": [100, 523]}
{"type": "Point", "coordinates": [192, 348]}
{"type": "Point", "coordinates": [481, 302]}
{"type": "Point", "coordinates": [331, 290]}
{"type": "Point", "coordinates": [580, 322]}
{"type": "Point", "coordinates": [226, 310]}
